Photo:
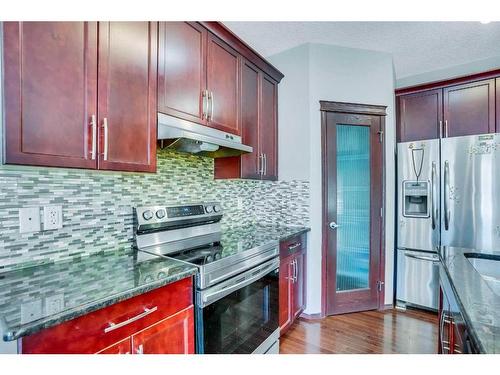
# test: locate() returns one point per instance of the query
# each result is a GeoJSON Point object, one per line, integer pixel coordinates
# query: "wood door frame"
{"type": "Point", "coordinates": [356, 109]}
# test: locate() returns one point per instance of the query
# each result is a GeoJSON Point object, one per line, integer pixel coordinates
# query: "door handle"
{"type": "Point", "coordinates": [204, 113]}
{"type": "Point", "coordinates": [440, 129]}
{"type": "Point", "coordinates": [446, 194]}
{"type": "Point", "coordinates": [112, 326]}
{"type": "Point", "coordinates": [261, 169]}
{"type": "Point", "coordinates": [434, 196]}
{"type": "Point", "coordinates": [333, 225]}
{"type": "Point", "coordinates": [105, 127]}
{"type": "Point", "coordinates": [446, 128]}
{"type": "Point", "coordinates": [210, 106]}
{"type": "Point", "coordinates": [429, 259]}
{"type": "Point", "coordinates": [265, 164]}
{"type": "Point", "coordinates": [93, 123]}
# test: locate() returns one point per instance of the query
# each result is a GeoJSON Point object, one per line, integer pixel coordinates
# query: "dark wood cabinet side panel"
{"type": "Point", "coordinates": [182, 70]}
{"type": "Point", "coordinates": [420, 116]}
{"type": "Point", "coordinates": [470, 108]}
{"type": "Point", "coordinates": [50, 74]}
{"type": "Point", "coordinates": [269, 127]}
{"type": "Point", "coordinates": [86, 334]}
{"type": "Point", "coordinates": [222, 83]}
{"type": "Point", "coordinates": [127, 95]}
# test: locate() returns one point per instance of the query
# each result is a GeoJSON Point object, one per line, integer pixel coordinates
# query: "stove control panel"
{"type": "Point", "coordinates": [155, 217]}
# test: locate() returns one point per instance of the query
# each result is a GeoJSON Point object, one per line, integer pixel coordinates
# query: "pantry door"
{"type": "Point", "coordinates": [352, 201]}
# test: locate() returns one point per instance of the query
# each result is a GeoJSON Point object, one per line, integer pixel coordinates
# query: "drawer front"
{"type": "Point", "coordinates": [293, 245]}
{"type": "Point", "coordinates": [93, 332]}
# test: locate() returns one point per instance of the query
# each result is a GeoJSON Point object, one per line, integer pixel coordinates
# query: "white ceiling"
{"type": "Point", "coordinates": [417, 47]}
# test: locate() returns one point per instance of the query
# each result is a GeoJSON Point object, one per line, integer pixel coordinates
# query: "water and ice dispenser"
{"type": "Point", "coordinates": [416, 198]}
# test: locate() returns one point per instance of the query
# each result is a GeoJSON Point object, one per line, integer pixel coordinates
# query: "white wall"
{"type": "Point", "coordinates": [335, 74]}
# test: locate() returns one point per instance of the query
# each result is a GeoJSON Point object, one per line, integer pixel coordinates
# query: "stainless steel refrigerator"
{"type": "Point", "coordinates": [448, 194]}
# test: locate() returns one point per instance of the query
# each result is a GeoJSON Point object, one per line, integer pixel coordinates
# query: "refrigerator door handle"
{"type": "Point", "coordinates": [434, 196]}
{"type": "Point", "coordinates": [446, 194]}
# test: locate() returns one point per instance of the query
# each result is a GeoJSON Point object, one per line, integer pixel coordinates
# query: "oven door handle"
{"type": "Point", "coordinates": [207, 297]}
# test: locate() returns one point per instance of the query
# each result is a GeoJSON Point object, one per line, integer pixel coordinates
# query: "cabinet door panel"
{"type": "Point", "coordinates": [250, 119]}
{"type": "Point", "coordinates": [182, 70]}
{"type": "Point", "coordinates": [298, 287]}
{"type": "Point", "coordinates": [420, 115]}
{"type": "Point", "coordinates": [222, 82]}
{"type": "Point", "coordinates": [127, 95]}
{"type": "Point", "coordinates": [470, 108]}
{"type": "Point", "coordinates": [121, 347]}
{"type": "Point", "coordinates": [173, 335]}
{"type": "Point", "coordinates": [285, 294]}
{"type": "Point", "coordinates": [50, 75]}
{"type": "Point", "coordinates": [269, 127]}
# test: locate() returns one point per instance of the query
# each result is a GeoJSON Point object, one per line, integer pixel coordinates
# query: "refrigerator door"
{"type": "Point", "coordinates": [418, 195]}
{"type": "Point", "coordinates": [418, 279]}
{"type": "Point", "coordinates": [471, 191]}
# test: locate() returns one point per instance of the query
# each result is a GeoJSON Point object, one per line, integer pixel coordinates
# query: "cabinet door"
{"type": "Point", "coordinates": [173, 335]}
{"type": "Point", "coordinates": [222, 83]}
{"type": "Point", "coordinates": [285, 293]}
{"type": "Point", "coordinates": [127, 95]}
{"type": "Point", "coordinates": [50, 81]}
{"type": "Point", "coordinates": [298, 286]}
{"type": "Point", "coordinates": [470, 108]}
{"type": "Point", "coordinates": [250, 163]}
{"type": "Point", "coordinates": [182, 70]}
{"type": "Point", "coordinates": [268, 132]}
{"type": "Point", "coordinates": [420, 115]}
{"type": "Point", "coordinates": [121, 347]}
{"type": "Point", "coordinates": [445, 337]}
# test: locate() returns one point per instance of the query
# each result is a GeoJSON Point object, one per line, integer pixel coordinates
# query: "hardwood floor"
{"type": "Point", "coordinates": [389, 331]}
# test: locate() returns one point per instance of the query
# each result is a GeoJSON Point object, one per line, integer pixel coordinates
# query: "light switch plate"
{"type": "Point", "coordinates": [29, 219]}
{"type": "Point", "coordinates": [52, 217]}
{"type": "Point", "coordinates": [31, 311]}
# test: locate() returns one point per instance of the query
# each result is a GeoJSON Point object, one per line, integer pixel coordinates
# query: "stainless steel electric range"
{"type": "Point", "coordinates": [236, 296]}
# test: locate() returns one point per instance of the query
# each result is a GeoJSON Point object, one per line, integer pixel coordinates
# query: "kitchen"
{"type": "Point", "coordinates": [192, 202]}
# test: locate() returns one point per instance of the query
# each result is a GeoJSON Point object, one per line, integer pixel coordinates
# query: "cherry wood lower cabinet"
{"type": "Point", "coordinates": [160, 321]}
{"type": "Point", "coordinates": [292, 280]}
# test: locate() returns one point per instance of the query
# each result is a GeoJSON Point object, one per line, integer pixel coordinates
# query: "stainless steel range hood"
{"type": "Point", "coordinates": [187, 136]}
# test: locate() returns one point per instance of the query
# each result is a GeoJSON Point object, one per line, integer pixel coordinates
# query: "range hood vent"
{"type": "Point", "coordinates": [187, 136]}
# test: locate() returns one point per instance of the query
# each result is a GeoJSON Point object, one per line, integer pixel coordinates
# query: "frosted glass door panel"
{"type": "Point", "coordinates": [353, 207]}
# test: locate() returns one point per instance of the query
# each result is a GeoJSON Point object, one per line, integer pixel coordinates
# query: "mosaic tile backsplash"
{"type": "Point", "coordinates": [97, 205]}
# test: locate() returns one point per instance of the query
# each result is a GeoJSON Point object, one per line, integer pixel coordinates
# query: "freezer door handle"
{"type": "Point", "coordinates": [446, 194]}
{"type": "Point", "coordinates": [428, 259]}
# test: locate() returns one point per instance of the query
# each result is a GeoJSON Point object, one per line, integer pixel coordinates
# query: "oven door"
{"type": "Point", "coordinates": [239, 315]}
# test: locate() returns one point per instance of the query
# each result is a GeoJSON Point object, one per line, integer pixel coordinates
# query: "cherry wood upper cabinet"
{"type": "Point", "coordinates": [250, 96]}
{"type": "Point", "coordinates": [420, 115]}
{"type": "Point", "coordinates": [222, 85]}
{"type": "Point", "coordinates": [127, 95]}
{"type": "Point", "coordinates": [50, 76]}
{"type": "Point", "coordinates": [172, 335]}
{"type": "Point", "coordinates": [182, 70]}
{"type": "Point", "coordinates": [268, 132]}
{"type": "Point", "coordinates": [469, 108]}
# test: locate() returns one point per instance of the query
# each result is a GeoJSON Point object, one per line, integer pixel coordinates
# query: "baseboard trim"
{"type": "Point", "coordinates": [389, 306]}
{"type": "Point", "coordinates": [312, 316]}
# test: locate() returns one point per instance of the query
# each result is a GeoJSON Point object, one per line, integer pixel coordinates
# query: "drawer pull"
{"type": "Point", "coordinates": [112, 326]}
{"type": "Point", "coordinates": [294, 246]}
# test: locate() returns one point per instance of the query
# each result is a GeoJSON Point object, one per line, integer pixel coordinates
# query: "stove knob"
{"type": "Point", "coordinates": [209, 258]}
{"type": "Point", "coordinates": [147, 215]}
{"type": "Point", "coordinates": [216, 208]}
{"type": "Point", "coordinates": [209, 209]}
{"type": "Point", "coordinates": [160, 214]}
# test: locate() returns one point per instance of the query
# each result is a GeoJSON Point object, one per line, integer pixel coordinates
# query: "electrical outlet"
{"type": "Point", "coordinates": [31, 311]}
{"type": "Point", "coordinates": [54, 304]}
{"type": "Point", "coordinates": [52, 217]}
{"type": "Point", "coordinates": [29, 219]}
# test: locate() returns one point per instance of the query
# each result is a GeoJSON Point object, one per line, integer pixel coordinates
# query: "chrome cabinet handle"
{"type": "Point", "coordinates": [93, 123]}
{"type": "Point", "coordinates": [434, 195]}
{"type": "Point", "coordinates": [294, 246]}
{"type": "Point", "coordinates": [295, 276]}
{"type": "Point", "coordinates": [112, 326]}
{"type": "Point", "coordinates": [333, 225]}
{"type": "Point", "coordinates": [140, 349]}
{"type": "Point", "coordinates": [105, 127]}
{"type": "Point", "coordinates": [261, 170]}
{"type": "Point", "coordinates": [446, 128]}
{"type": "Point", "coordinates": [446, 194]}
{"type": "Point", "coordinates": [204, 115]}
{"type": "Point", "coordinates": [440, 129]}
{"type": "Point", "coordinates": [210, 105]}
{"type": "Point", "coordinates": [212, 101]}
{"type": "Point", "coordinates": [265, 164]}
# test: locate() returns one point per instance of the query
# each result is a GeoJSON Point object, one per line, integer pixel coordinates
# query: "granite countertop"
{"type": "Point", "coordinates": [237, 239]}
{"type": "Point", "coordinates": [479, 301]}
{"type": "Point", "coordinates": [83, 284]}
